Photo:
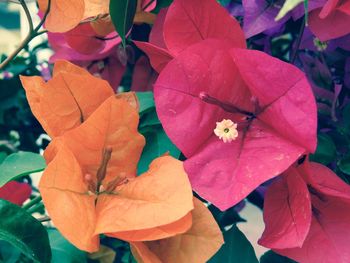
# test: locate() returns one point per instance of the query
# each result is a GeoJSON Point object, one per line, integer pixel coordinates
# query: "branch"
{"type": "Point", "coordinates": [29, 17]}
{"type": "Point", "coordinates": [298, 41]}
{"type": "Point", "coordinates": [31, 34]}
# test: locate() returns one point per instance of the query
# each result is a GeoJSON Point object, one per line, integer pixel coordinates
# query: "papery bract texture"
{"type": "Point", "coordinates": [329, 233]}
{"type": "Point", "coordinates": [186, 23]}
{"type": "Point", "coordinates": [287, 212]}
{"type": "Point", "coordinates": [327, 205]}
{"type": "Point", "coordinates": [198, 244]}
{"type": "Point", "coordinates": [270, 100]}
{"type": "Point", "coordinates": [189, 22]}
{"type": "Point", "coordinates": [331, 21]}
{"type": "Point", "coordinates": [122, 202]}
{"type": "Point", "coordinates": [66, 100]}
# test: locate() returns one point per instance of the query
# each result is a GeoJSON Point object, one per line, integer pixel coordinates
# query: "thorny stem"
{"type": "Point", "coordinates": [33, 32]}
{"type": "Point", "coordinates": [298, 41]}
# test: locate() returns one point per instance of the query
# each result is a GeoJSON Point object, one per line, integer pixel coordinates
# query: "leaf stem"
{"type": "Point", "coordinates": [298, 41]}
{"type": "Point", "coordinates": [35, 208]}
{"type": "Point", "coordinates": [44, 219]}
{"type": "Point", "coordinates": [33, 32]}
{"type": "Point", "coordinates": [151, 2]}
{"type": "Point", "coordinates": [32, 202]}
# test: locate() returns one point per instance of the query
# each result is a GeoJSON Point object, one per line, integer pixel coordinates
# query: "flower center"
{"type": "Point", "coordinates": [320, 45]}
{"type": "Point", "coordinates": [226, 130]}
{"type": "Point", "coordinates": [95, 186]}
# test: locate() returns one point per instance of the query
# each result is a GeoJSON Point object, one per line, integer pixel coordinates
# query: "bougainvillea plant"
{"type": "Point", "coordinates": [153, 124]}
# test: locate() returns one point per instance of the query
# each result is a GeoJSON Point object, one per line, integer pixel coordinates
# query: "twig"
{"type": "Point", "coordinates": [33, 32]}
{"type": "Point", "coordinates": [44, 219]}
{"type": "Point", "coordinates": [151, 2]}
{"type": "Point", "coordinates": [298, 42]}
{"type": "Point", "coordinates": [29, 17]}
{"type": "Point", "coordinates": [32, 202]}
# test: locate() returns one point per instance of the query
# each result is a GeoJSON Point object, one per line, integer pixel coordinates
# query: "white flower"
{"type": "Point", "coordinates": [226, 130]}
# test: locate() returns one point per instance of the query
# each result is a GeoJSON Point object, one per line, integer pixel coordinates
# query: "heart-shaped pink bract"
{"type": "Point", "coordinates": [326, 205]}
{"type": "Point", "coordinates": [287, 213]}
{"type": "Point", "coordinates": [331, 21]}
{"type": "Point", "coordinates": [270, 100]}
{"type": "Point", "coordinates": [186, 23]}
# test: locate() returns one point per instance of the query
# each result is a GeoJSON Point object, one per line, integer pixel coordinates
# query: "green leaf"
{"type": "Point", "coordinates": [344, 164]}
{"type": "Point", "coordinates": [63, 250]}
{"type": "Point", "coordinates": [146, 101]}
{"type": "Point", "coordinates": [288, 6]}
{"type": "Point", "coordinates": [157, 144]}
{"type": "Point", "coordinates": [20, 164]}
{"type": "Point", "coordinates": [236, 249]}
{"type": "Point", "coordinates": [24, 232]}
{"type": "Point", "coordinates": [9, 253]}
{"type": "Point", "coordinates": [149, 119]}
{"type": "Point", "coordinates": [346, 117]}
{"type": "Point", "coordinates": [3, 156]}
{"type": "Point", "coordinates": [225, 218]}
{"type": "Point", "coordinates": [122, 14]}
{"type": "Point", "coordinates": [224, 2]}
{"type": "Point", "coordinates": [272, 257]}
{"type": "Point", "coordinates": [326, 150]}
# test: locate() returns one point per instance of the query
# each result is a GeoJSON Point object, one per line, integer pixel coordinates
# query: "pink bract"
{"type": "Point", "coordinates": [186, 23]}
{"type": "Point", "coordinates": [278, 126]}
{"type": "Point", "coordinates": [327, 238]}
{"type": "Point", "coordinates": [287, 213]}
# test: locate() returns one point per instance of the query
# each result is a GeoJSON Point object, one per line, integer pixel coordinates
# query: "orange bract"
{"type": "Point", "coordinates": [198, 244]}
{"type": "Point", "coordinates": [90, 185]}
{"type": "Point", "coordinates": [146, 203]}
{"type": "Point", "coordinates": [64, 15]}
{"type": "Point", "coordinates": [67, 99]}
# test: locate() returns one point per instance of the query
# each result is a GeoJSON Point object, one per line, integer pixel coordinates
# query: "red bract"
{"type": "Point", "coordinates": [84, 39]}
{"type": "Point", "coordinates": [287, 214]}
{"type": "Point", "coordinates": [15, 192]}
{"type": "Point", "coordinates": [186, 23]}
{"type": "Point", "coordinates": [331, 21]}
{"type": "Point", "coordinates": [327, 206]}
{"type": "Point", "coordinates": [189, 22]}
{"type": "Point", "coordinates": [144, 76]}
{"type": "Point", "coordinates": [270, 100]}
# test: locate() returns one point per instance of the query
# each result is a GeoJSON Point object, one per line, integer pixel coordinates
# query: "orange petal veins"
{"type": "Point", "coordinates": [64, 66]}
{"type": "Point", "coordinates": [155, 233]}
{"type": "Point", "coordinates": [96, 7]}
{"type": "Point", "coordinates": [131, 98]}
{"type": "Point", "coordinates": [158, 197]}
{"type": "Point", "coordinates": [34, 87]}
{"type": "Point", "coordinates": [66, 198]}
{"type": "Point", "coordinates": [64, 14]}
{"type": "Point", "coordinates": [197, 245]}
{"type": "Point", "coordinates": [66, 100]}
{"type": "Point", "coordinates": [144, 17]}
{"type": "Point", "coordinates": [113, 125]}
{"type": "Point", "coordinates": [103, 26]}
